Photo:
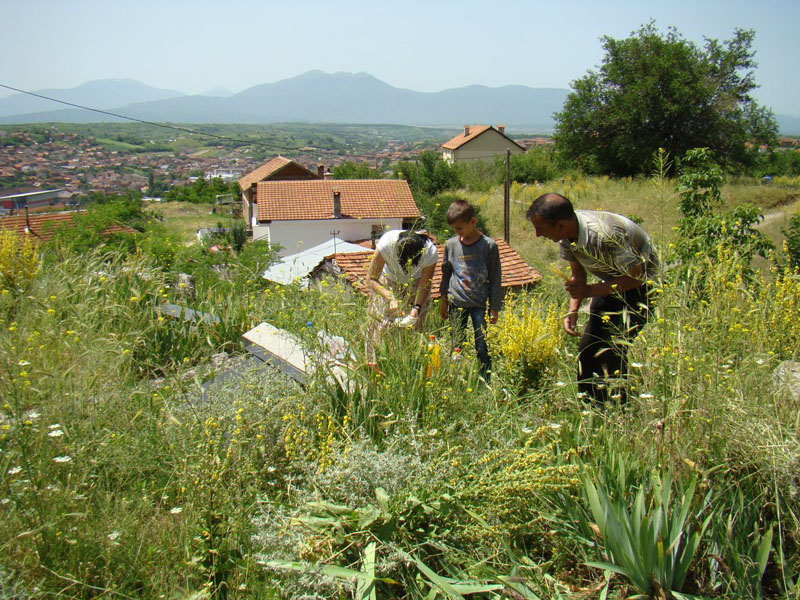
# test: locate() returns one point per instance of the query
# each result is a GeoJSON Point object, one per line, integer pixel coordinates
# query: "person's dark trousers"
{"type": "Point", "coordinates": [614, 321]}
{"type": "Point", "coordinates": [459, 318]}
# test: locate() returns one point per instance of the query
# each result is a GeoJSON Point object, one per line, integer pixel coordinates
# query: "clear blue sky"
{"type": "Point", "coordinates": [425, 45]}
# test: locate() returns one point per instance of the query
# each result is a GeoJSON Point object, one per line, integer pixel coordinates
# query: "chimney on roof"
{"type": "Point", "coordinates": [328, 174]}
{"type": "Point", "coordinates": [501, 129]}
{"type": "Point", "coordinates": [466, 130]}
{"type": "Point", "coordinates": [337, 203]}
{"type": "Point", "coordinates": [321, 170]}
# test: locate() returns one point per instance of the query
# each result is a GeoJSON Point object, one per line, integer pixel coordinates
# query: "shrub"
{"type": "Point", "coordinates": [792, 244]}
{"type": "Point", "coordinates": [19, 262]}
{"type": "Point", "coordinates": [528, 339]}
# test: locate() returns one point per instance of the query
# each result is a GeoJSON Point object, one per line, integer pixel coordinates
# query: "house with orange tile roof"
{"type": "Point", "coordinates": [301, 214]}
{"type": "Point", "coordinates": [479, 142]}
{"type": "Point", "coordinates": [43, 226]}
{"type": "Point", "coordinates": [352, 267]}
{"type": "Point", "coordinates": [275, 169]}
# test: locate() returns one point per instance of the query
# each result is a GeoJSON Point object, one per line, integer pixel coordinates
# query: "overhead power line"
{"type": "Point", "coordinates": [105, 112]}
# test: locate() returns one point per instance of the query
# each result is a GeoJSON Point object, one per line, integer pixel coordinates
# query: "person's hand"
{"type": "Point", "coordinates": [394, 306]}
{"type": "Point", "coordinates": [570, 322]}
{"type": "Point", "coordinates": [492, 316]}
{"type": "Point", "coordinates": [576, 289]}
{"type": "Point", "coordinates": [443, 309]}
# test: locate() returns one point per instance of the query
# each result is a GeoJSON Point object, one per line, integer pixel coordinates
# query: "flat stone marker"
{"type": "Point", "coordinates": [278, 347]}
{"type": "Point", "coordinates": [285, 351]}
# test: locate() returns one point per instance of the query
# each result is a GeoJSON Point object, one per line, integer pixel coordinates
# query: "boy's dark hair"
{"type": "Point", "coordinates": [459, 210]}
{"type": "Point", "coordinates": [551, 208]}
{"type": "Point", "coordinates": [410, 246]}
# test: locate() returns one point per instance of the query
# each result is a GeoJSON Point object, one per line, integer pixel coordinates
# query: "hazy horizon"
{"type": "Point", "coordinates": [195, 46]}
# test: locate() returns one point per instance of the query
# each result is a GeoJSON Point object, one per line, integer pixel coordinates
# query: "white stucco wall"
{"type": "Point", "coordinates": [295, 236]}
{"type": "Point", "coordinates": [485, 147]}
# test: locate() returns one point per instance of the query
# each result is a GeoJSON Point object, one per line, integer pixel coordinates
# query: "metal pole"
{"type": "Point", "coordinates": [507, 199]}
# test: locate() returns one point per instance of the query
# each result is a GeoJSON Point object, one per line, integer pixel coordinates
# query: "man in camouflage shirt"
{"type": "Point", "coordinates": [620, 254]}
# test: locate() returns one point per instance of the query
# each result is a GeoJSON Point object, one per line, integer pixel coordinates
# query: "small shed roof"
{"type": "Point", "coordinates": [300, 265]}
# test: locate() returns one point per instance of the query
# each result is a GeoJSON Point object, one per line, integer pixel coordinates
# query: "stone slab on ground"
{"type": "Point", "coordinates": [286, 352]}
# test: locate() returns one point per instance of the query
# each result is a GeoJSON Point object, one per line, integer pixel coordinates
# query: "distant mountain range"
{"type": "Point", "coordinates": [312, 97]}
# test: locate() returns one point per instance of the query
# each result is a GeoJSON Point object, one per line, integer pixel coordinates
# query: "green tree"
{"type": "Point", "coordinates": [657, 90]}
{"type": "Point", "coordinates": [354, 170]}
{"type": "Point", "coordinates": [702, 228]}
{"type": "Point", "coordinates": [429, 174]}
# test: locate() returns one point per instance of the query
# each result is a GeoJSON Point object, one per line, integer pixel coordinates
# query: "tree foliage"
{"type": "Point", "coordinates": [657, 90]}
{"type": "Point", "coordinates": [702, 228]}
{"type": "Point", "coordinates": [429, 174]}
{"type": "Point", "coordinates": [355, 170]}
{"type": "Point", "coordinates": [202, 191]}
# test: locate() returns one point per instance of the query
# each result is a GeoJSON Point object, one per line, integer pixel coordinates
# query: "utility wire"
{"type": "Point", "coordinates": [105, 112]}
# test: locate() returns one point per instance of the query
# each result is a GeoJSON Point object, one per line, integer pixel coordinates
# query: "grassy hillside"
{"type": "Point", "coordinates": [130, 468]}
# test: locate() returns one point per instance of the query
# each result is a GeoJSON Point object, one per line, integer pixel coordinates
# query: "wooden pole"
{"type": "Point", "coordinates": [507, 200]}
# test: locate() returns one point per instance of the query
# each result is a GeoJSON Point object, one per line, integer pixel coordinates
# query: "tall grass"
{"type": "Point", "coordinates": [121, 475]}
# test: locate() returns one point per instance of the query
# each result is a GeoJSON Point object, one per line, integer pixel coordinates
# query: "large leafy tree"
{"type": "Point", "coordinates": [657, 90]}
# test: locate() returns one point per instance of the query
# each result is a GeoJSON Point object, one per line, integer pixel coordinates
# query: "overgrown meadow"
{"type": "Point", "coordinates": [143, 456]}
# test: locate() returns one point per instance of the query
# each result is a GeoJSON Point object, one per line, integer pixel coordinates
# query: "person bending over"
{"type": "Point", "coordinates": [620, 254]}
{"type": "Point", "coordinates": [399, 282]}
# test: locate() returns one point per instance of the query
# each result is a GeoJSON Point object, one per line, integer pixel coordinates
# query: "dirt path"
{"type": "Point", "coordinates": [782, 213]}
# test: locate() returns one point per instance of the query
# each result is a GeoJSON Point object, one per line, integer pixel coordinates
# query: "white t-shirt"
{"type": "Point", "coordinates": [387, 246]}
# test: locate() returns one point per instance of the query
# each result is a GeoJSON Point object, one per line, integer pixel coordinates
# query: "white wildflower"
{"type": "Point", "coordinates": [14, 470]}
{"type": "Point", "coordinates": [55, 433]}
{"type": "Point", "coordinates": [637, 365]}
{"type": "Point", "coordinates": [62, 459]}
{"type": "Point", "coordinates": [645, 396]}
{"type": "Point", "coordinates": [114, 535]}
{"type": "Point", "coordinates": [176, 510]}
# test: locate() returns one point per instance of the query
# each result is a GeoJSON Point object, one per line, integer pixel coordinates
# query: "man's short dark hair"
{"type": "Point", "coordinates": [552, 208]}
{"type": "Point", "coordinates": [459, 210]}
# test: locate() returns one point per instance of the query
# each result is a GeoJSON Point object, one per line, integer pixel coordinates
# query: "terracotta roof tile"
{"type": "Point", "coordinates": [461, 139]}
{"type": "Point", "coordinates": [516, 272]}
{"type": "Point", "coordinates": [313, 199]}
{"type": "Point", "coordinates": [44, 225]}
{"type": "Point", "coordinates": [269, 168]}
{"type": "Point", "coordinates": [474, 131]}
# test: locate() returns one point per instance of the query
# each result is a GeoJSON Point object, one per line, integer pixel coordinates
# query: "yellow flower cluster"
{"type": "Point", "coordinates": [780, 322]}
{"type": "Point", "coordinates": [19, 261]}
{"type": "Point", "coordinates": [526, 335]}
{"type": "Point", "coordinates": [508, 479]}
{"type": "Point", "coordinates": [311, 437]}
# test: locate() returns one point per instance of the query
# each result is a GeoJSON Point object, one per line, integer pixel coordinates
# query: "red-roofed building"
{"type": "Point", "coordinates": [276, 169]}
{"type": "Point", "coordinates": [302, 214]}
{"type": "Point", "coordinates": [43, 226]}
{"type": "Point", "coordinates": [479, 142]}
{"type": "Point", "coordinates": [352, 266]}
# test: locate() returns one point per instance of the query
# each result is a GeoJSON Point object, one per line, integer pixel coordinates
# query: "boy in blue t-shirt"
{"type": "Point", "coordinates": [471, 277]}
